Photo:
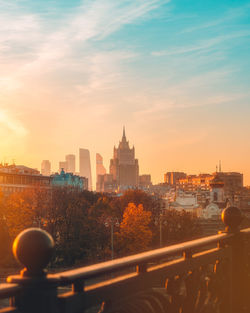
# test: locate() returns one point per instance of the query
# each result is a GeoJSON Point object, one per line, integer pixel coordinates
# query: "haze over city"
{"type": "Point", "coordinates": [175, 73]}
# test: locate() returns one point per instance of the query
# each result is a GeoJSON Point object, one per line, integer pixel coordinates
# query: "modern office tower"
{"type": "Point", "coordinates": [124, 167]}
{"type": "Point", "coordinates": [100, 169]}
{"type": "Point", "coordinates": [84, 166]}
{"type": "Point", "coordinates": [46, 168]}
{"type": "Point", "coordinates": [71, 163]}
{"type": "Point", "coordinates": [62, 165]}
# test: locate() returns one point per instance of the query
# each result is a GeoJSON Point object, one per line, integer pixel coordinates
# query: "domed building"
{"type": "Point", "coordinates": [217, 200]}
{"type": "Point", "coordinates": [217, 190]}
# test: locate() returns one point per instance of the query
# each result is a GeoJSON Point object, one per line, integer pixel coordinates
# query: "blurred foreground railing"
{"type": "Point", "coordinates": [204, 275]}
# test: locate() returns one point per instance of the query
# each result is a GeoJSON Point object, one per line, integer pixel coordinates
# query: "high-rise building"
{"type": "Point", "coordinates": [46, 168]}
{"type": "Point", "coordinates": [62, 165]}
{"type": "Point", "coordinates": [124, 167]}
{"type": "Point", "coordinates": [84, 166]}
{"type": "Point", "coordinates": [100, 169]}
{"type": "Point", "coordinates": [71, 163]}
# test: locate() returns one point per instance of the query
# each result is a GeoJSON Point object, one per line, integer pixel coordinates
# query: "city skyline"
{"type": "Point", "coordinates": [106, 162]}
{"type": "Point", "coordinates": [174, 73]}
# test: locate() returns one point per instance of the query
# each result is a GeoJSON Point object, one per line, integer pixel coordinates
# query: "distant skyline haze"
{"type": "Point", "coordinates": [175, 72]}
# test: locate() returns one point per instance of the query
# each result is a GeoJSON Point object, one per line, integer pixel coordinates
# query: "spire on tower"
{"type": "Point", "coordinates": [123, 135]}
{"type": "Point", "coordinates": [220, 166]}
{"type": "Point", "coordinates": [124, 144]}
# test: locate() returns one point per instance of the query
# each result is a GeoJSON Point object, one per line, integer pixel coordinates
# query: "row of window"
{"type": "Point", "coordinates": [23, 180]}
{"type": "Point", "coordinates": [9, 190]}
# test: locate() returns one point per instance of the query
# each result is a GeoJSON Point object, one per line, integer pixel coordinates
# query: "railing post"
{"type": "Point", "coordinates": [232, 217]}
{"type": "Point", "coordinates": [33, 248]}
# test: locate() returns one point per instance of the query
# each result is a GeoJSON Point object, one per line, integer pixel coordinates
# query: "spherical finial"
{"type": "Point", "coordinates": [232, 218]}
{"type": "Point", "coordinates": [33, 248]}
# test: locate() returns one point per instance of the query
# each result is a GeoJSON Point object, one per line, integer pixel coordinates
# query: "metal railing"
{"type": "Point", "coordinates": [204, 275]}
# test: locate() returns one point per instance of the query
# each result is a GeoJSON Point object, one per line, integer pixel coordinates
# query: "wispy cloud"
{"type": "Point", "coordinates": [229, 16]}
{"type": "Point", "coordinates": [203, 45]}
{"type": "Point", "coordinates": [37, 48]}
{"type": "Point", "coordinates": [11, 124]}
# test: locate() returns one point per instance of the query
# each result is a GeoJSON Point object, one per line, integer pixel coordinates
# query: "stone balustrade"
{"type": "Point", "coordinates": [209, 274]}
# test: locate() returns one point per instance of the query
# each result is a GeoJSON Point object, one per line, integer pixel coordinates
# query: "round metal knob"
{"type": "Point", "coordinates": [232, 218]}
{"type": "Point", "coordinates": [33, 248]}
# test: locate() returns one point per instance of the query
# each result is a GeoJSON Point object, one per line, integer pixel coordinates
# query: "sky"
{"type": "Point", "coordinates": [175, 72]}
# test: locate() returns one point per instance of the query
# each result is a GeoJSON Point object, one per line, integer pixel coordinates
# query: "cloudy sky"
{"type": "Point", "coordinates": [175, 72]}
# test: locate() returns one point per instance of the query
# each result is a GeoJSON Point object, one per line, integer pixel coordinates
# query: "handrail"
{"type": "Point", "coordinates": [180, 276]}
{"type": "Point", "coordinates": [145, 257]}
{"type": "Point", "coordinates": [9, 290]}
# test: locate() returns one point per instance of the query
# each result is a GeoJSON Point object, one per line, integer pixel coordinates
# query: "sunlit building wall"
{"type": "Point", "coordinates": [171, 178]}
{"type": "Point", "coordinates": [145, 181]}
{"type": "Point", "coordinates": [17, 178]}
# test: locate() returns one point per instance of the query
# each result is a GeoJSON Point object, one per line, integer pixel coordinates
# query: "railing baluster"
{"type": "Point", "coordinates": [78, 285]}
{"type": "Point", "coordinates": [141, 268]}
{"type": "Point", "coordinates": [204, 275]}
{"type": "Point", "coordinates": [33, 248]}
{"type": "Point", "coordinates": [232, 217]}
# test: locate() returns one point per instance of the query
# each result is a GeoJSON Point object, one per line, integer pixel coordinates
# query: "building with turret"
{"type": "Point", "coordinates": [64, 179]}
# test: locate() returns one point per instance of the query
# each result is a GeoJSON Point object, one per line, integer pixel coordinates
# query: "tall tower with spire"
{"type": "Point", "coordinates": [124, 167]}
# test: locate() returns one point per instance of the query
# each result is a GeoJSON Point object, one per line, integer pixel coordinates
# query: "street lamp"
{"type": "Point", "coordinates": [111, 221]}
{"type": "Point", "coordinates": [159, 220]}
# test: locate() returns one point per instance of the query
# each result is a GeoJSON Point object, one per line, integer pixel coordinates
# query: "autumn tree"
{"type": "Point", "coordinates": [5, 247]}
{"type": "Point", "coordinates": [20, 211]}
{"type": "Point", "coordinates": [137, 196]}
{"type": "Point", "coordinates": [135, 234]}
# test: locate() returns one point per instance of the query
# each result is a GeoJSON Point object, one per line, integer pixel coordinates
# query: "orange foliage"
{"type": "Point", "coordinates": [135, 234]}
{"type": "Point", "coordinates": [20, 212]}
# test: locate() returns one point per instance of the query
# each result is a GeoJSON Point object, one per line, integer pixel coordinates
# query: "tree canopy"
{"type": "Point", "coordinates": [135, 234]}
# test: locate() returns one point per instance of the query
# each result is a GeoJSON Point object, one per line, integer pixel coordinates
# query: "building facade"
{"type": "Point", "coordinates": [17, 178]}
{"type": "Point", "coordinates": [145, 181]}
{"type": "Point", "coordinates": [69, 180]}
{"type": "Point", "coordinates": [171, 178]}
{"type": "Point", "coordinates": [105, 183]}
{"type": "Point", "coordinates": [195, 182]}
{"type": "Point", "coordinates": [233, 182]}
